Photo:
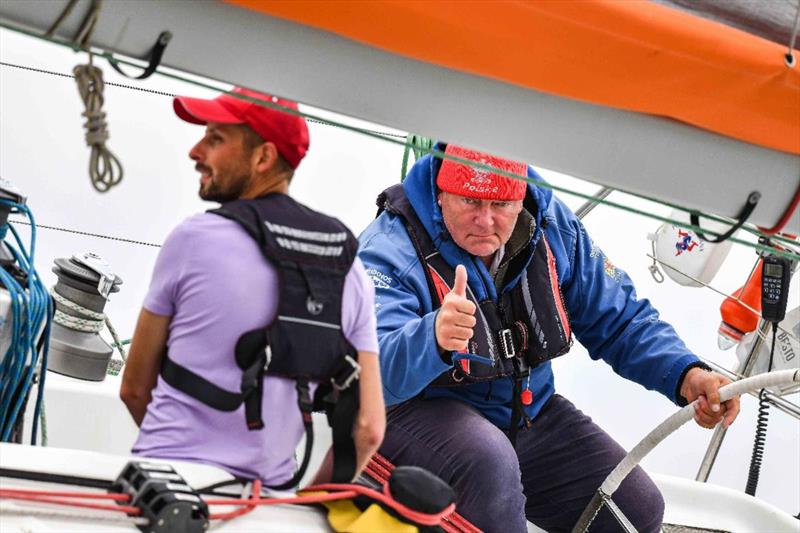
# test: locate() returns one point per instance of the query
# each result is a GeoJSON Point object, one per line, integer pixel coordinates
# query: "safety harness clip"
{"type": "Point", "coordinates": [507, 343]}
{"type": "Point", "coordinates": [352, 372]}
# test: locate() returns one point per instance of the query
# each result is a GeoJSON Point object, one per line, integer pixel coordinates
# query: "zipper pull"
{"type": "Point", "coordinates": [526, 397]}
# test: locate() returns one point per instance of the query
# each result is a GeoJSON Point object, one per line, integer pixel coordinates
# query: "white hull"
{"type": "Point", "coordinates": [689, 503]}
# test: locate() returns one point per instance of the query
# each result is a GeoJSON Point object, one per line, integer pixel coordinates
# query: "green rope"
{"type": "Point", "coordinates": [120, 343]}
{"type": "Point", "coordinates": [420, 150]}
{"type": "Point", "coordinates": [419, 146]}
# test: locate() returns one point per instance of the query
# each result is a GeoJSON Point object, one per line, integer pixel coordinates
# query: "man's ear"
{"type": "Point", "coordinates": [265, 157]}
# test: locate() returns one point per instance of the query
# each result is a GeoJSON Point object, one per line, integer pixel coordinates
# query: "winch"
{"type": "Point", "coordinates": [85, 281]}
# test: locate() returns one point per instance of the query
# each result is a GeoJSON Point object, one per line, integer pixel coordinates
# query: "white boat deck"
{"type": "Point", "coordinates": [697, 506]}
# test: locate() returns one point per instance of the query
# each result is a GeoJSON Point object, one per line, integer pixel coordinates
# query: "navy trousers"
{"type": "Point", "coordinates": [558, 464]}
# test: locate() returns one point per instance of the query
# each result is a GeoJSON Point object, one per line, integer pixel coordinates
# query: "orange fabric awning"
{"type": "Point", "coordinates": [632, 55]}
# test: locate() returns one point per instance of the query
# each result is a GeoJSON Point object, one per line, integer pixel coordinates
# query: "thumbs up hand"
{"type": "Point", "coordinates": [456, 317]}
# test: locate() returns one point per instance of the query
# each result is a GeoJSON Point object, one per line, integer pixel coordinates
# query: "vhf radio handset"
{"type": "Point", "coordinates": [775, 287]}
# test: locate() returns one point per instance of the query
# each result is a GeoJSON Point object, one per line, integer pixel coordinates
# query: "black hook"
{"type": "Point", "coordinates": [752, 202]}
{"type": "Point", "coordinates": [154, 59]}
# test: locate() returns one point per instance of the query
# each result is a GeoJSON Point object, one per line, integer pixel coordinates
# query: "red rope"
{"type": "Point", "coordinates": [315, 498]}
{"type": "Point", "coordinates": [250, 504]}
{"type": "Point", "coordinates": [11, 495]}
{"type": "Point", "coordinates": [426, 519]}
{"type": "Point", "coordinates": [380, 468]}
{"type": "Point", "coordinates": [384, 471]}
{"type": "Point", "coordinates": [116, 496]}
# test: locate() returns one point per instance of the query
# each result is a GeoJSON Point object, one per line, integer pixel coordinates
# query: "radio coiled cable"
{"type": "Point", "coordinates": [761, 430]}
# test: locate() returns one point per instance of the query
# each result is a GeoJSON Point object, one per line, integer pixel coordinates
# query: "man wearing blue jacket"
{"type": "Point", "coordinates": [480, 280]}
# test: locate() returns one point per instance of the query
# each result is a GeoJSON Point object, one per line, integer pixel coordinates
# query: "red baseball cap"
{"type": "Point", "coordinates": [288, 132]}
{"type": "Point", "coordinates": [465, 180]}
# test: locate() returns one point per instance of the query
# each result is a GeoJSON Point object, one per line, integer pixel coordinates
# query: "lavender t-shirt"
{"type": "Point", "coordinates": [212, 279]}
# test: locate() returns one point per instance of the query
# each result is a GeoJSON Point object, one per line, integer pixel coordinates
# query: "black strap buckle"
{"type": "Point", "coordinates": [252, 375]}
{"type": "Point", "coordinates": [304, 400]}
{"type": "Point", "coordinates": [507, 343]}
{"type": "Point", "coordinates": [352, 372]}
{"type": "Point", "coordinates": [267, 357]}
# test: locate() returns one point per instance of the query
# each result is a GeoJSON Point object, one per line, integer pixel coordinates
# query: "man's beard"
{"type": "Point", "coordinates": [214, 192]}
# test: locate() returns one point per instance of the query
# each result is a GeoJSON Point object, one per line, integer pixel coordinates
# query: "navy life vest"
{"type": "Point", "coordinates": [527, 326]}
{"type": "Point", "coordinates": [312, 254]}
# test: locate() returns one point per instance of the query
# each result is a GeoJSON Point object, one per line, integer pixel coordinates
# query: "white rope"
{"type": "Point", "coordinates": [89, 321]}
{"type": "Point", "coordinates": [11, 509]}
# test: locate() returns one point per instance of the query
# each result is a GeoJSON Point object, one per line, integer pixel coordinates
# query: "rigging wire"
{"type": "Point", "coordinates": [404, 143]}
{"type": "Point", "coordinates": [88, 234]}
{"type": "Point", "coordinates": [172, 95]}
{"type": "Point", "coordinates": [737, 299]}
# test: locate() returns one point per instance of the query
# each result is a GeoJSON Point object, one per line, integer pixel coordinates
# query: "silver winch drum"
{"type": "Point", "coordinates": [87, 281]}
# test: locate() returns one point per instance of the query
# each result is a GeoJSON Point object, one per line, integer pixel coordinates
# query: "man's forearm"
{"type": "Point", "coordinates": [410, 359]}
{"type": "Point", "coordinates": [370, 423]}
{"type": "Point", "coordinates": [137, 407]}
{"type": "Point", "coordinates": [140, 374]}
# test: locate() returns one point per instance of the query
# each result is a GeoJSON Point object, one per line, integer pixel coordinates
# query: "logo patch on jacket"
{"type": "Point", "coordinates": [379, 279]}
{"type": "Point", "coordinates": [608, 267]}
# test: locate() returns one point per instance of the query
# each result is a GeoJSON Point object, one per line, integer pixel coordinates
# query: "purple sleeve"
{"type": "Point", "coordinates": [358, 310]}
{"type": "Point", "coordinates": [163, 291]}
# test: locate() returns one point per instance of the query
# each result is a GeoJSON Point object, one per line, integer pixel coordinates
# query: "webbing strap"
{"type": "Point", "coordinates": [198, 387]}
{"type": "Point", "coordinates": [252, 391]}
{"type": "Point", "coordinates": [341, 418]}
{"type": "Point", "coordinates": [306, 406]}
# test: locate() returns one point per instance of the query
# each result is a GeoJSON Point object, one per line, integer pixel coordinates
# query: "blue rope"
{"type": "Point", "coordinates": [31, 312]}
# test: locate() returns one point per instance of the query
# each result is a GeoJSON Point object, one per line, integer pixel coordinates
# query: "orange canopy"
{"type": "Point", "coordinates": [632, 55]}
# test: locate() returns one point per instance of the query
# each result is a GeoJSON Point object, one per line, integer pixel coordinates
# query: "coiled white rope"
{"type": "Point", "coordinates": [89, 321]}
{"type": "Point", "coordinates": [105, 170]}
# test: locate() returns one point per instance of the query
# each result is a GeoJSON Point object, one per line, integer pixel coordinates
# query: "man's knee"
{"type": "Point", "coordinates": [489, 460]}
{"type": "Point", "coordinates": [467, 451]}
{"type": "Point", "coordinates": [487, 479]}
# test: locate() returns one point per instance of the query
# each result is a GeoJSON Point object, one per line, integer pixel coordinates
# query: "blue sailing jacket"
{"type": "Point", "coordinates": [604, 312]}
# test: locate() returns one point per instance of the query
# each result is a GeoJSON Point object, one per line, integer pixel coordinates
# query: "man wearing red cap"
{"type": "Point", "coordinates": [480, 280]}
{"type": "Point", "coordinates": [250, 305]}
